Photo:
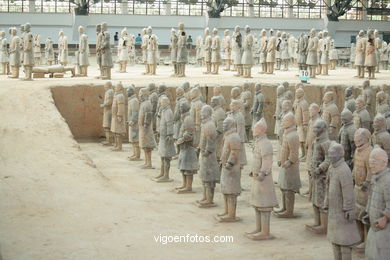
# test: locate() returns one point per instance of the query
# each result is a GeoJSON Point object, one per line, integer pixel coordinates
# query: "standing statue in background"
{"type": "Point", "coordinates": [195, 112]}
{"type": "Point", "coordinates": [173, 49]}
{"type": "Point", "coordinates": [370, 60]}
{"type": "Point", "coordinates": [331, 114]}
{"type": "Point", "coordinates": [177, 116]}
{"type": "Point", "coordinates": [237, 50]}
{"type": "Point", "coordinates": [378, 43]}
{"type": "Point", "coordinates": [284, 54]}
{"type": "Point", "coordinates": [271, 49]}
{"type": "Point", "coordinates": [301, 113]}
{"type": "Point", "coordinates": [62, 49]}
{"type": "Point", "coordinates": [207, 50]}
{"type": "Point", "coordinates": [325, 53]}
{"type": "Point", "coordinates": [218, 116]}
{"type": "Point", "coordinates": [320, 40]}
{"type": "Point", "coordinates": [231, 171]}
{"type": "Point", "coordinates": [342, 230]}
{"type": "Point", "coordinates": [152, 51]}
{"type": "Point", "coordinates": [346, 136]}
{"type": "Point", "coordinates": [4, 56]}
{"type": "Point", "coordinates": [14, 53]}
{"type": "Point", "coordinates": [182, 51]}
{"type": "Point", "coordinates": [132, 121]}
{"type": "Point", "coordinates": [263, 197]}
{"type": "Point", "coordinates": [215, 52]}
{"type": "Point", "coordinates": [123, 50]}
{"type": "Point", "coordinates": [99, 42]}
{"type": "Point", "coordinates": [118, 122]}
{"type": "Point", "coordinates": [312, 56]}
{"type": "Point", "coordinates": [303, 41]}
{"type": "Point", "coordinates": [360, 55]}
{"type": "Point", "coordinates": [49, 52]}
{"type": "Point", "coordinates": [235, 113]}
{"type": "Point", "coordinates": [258, 104]}
{"type": "Point", "coordinates": [352, 55]}
{"type": "Point", "coordinates": [247, 54]}
{"type": "Point", "coordinates": [247, 103]}
{"type": "Point", "coordinates": [263, 51]}
{"type": "Point", "coordinates": [227, 50]}
{"type": "Point", "coordinates": [107, 112]}
{"type": "Point", "coordinates": [28, 55]}
{"type": "Point", "coordinates": [106, 55]}
{"type": "Point", "coordinates": [333, 55]}
{"type": "Point", "coordinates": [199, 52]}
{"type": "Point", "coordinates": [37, 48]}
{"type": "Point", "coordinates": [144, 46]}
{"type": "Point", "coordinates": [83, 53]}
{"type": "Point", "coordinates": [278, 53]}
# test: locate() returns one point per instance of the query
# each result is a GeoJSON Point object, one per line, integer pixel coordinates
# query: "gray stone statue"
{"type": "Point", "coordinates": [302, 51]}
{"type": "Point", "coordinates": [271, 52]}
{"type": "Point", "coordinates": [247, 103]}
{"type": "Point", "coordinates": [83, 53]}
{"type": "Point", "coordinates": [349, 102]}
{"type": "Point", "coordinates": [331, 115]}
{"type": "Point", "coordinates": [368, 95]}
{"type": "Point", "coordinates": [207, 50]}
{"type": "Point", "coordinates": [381, 136]}
{"type": "Point", "coordinates": [247, 54]}
{"type": "Point", "coordinates": [237, 51]}
{"type": "Point", "coordinates": [235, 113]}
{"type": "Point", "coordinates": [28, 54]}
{"type": "Point", "coordinates": [382, 107]}
{"type": "Point", "coordinates": [14, 53]}
{"type": "Point", "coordinates": [360, 51]}
{"type": "Point", "coordinates": [177, 116]}
{"type": "Point", "coordinates": [106, 55]}
{"type": "Point", "coordinates": [132, 121]}
{"type": "Point", "coordinates": [346, 136]}
{"type": "Point", "coordinates": [182, 51]}
{"type": "Point", "coordinates": [153, 98]}
{"type": "Point", "coordinates": [107, 114]}
{"type": "Point", "coordinates": [312, 56]}
{"type": "Point", "coordinates": [118, 122]}
{"type": "Point", "coordinates": [301, 113]}
{"type": "Point", "coordinates": [173, 49]}
{"type": "Point", "coordinates": [258, 104]}
{"type": "Point", "coordinates": [195, 112]}
{"type": "Point", "coordinates": [215, 52]}
{"type": "Point", "coordinates": [361, 117]}
{"type": "Point", "coordinates": [219, 116]}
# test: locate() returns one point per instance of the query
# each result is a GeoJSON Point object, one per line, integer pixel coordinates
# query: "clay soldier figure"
{"type": "Point", "coordinates": [195, 112]}
{"type": "Point", "coordinates": [188, 160]}
{"type": "Point", "coordinates": [227, 49]}
{"type": "Point", "coordinates": [218, 93]}
{"type": "Point", "coordinates": [209, 168]}
{"type": "Point", "coordinates": [173, 49]}
{"type": "Point", "coordinates": [237, 50]}
{"type": "Point", "coordinates": [349, 102]}
{"type": "Point", "coordinates": [235, 108]}
{"type": "Point", "coordinates": [123, 50]}
{"type": "Point", "coordinates": [207, 50]}
{"type": "Point", "coordinates": [83, 53]}
{"type": "Point", "coordinates": [360, 53]}
{"type": "Point", "coordinates": [378, 212]}
{"type": "Point", "coordinates": [258, 104]}
{"type": "Point", "coordinates": [215, 52]}
{"type": "Point", "coordinates": [314, 113]}
{"type": "Point", "coordinates": [144, 46]}
{"type": "Point", "coordinates": [99, 42]}
{"type": "Point", "coordinates": [62, 49]}
{"type": "Point", "coordinates": [37, 48]}
{"type": "Point", "coordinates": [247, 103]}
{"type": "Point", "coordinates": [14, 53]}
{"type": "Point", "coordinates": [287, 107]}
{"type": "Point", "coordinates": [362, 176]}
{"type": "Point", "coordinates": [177, 117]}
{"type": "Point", "coordinates": [319, 67]}
{"type": "Point", "coordinates": [263, 51]}
{"type": "Point", "coordinates": [146, 137]}
{"type": "Point", "coordinates": [4, 56]}
{"type": "Point", "coordinates": [333, 55]}
{"type": "Point", "coordinates": [132, 118]}
{"type": "Point", "coordinates": [370, 61]}
{"type": "Point", "coordinates": [280, 97]}
{"type": "Point", "coordinates": [382, 107]}
{"type": "Point", "coordinates": [312, 58]}
{"type": "Point", "coordinates": [361, 117]}
{"type": "Point", "coordinates": [381, 136]}
{"type": "Point", "coordinates": [325, 47]}
{"type": "Point", "coordinates": [153, 98]}
{"type": "Point", "coordinates": [49, 52]}
{"type": "Point", "coordinates": [353, 55]}
{"type": "Point", "coordinates": [182, 52]}
{"type": "Point", "coordinates": [303, 41]}
{"type": "Point", "coordinates": [263, 197]}
{"type": "Point", "coordinates": [106, 53]}
{"type": "Point", "coordinates": [271, 51]}
{"type": "Point", "coordinates": [218, 116]}
{"type": "Point", "coordinates": [235, 94]}
{"type": "Point", "coordinates": [28, 55]}
{"type": "Point", "coordinates": [369, 97]}
{"type": "Point", "coordinates": [231, 170]}
{"type": "Point", "coordinates": [378, 46]}
{"type": "Point", "coordinates": [285, 56]}
{"type": "Point", "coordinates": [319, 172]}
{"type": "Point", "coordinates": [278, 53]}
{"type": "Point", "coordinates": [331, 115]}
{"type": "Point", "coordinates": [346, 136]}
{"type": "Point", "coordinates": [301, 113]}
{"type": "Point", "coordinates": [107, 113]}
{"type": "Point", "coordinates": [247, 54]}
{"type": "Point", "coordinates": [340, 202]}
{"type": "Point", "coordinates": [199, 50]}
{"type": "Point", "coordinates": [289, 180]}
{"type": "Point", "coordinates": [118, 122]}
{"type": "Point", "coordinates": [152, 51]}
{"type": "Point", "coordinates": [161, 89]}
{"type": "Point", "coordinates": [166, 147]}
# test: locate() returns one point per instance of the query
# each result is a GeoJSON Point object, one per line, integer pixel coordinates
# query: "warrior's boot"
{"type": "Point", "coordinates": [290, 201]}
{"type": "Point", "coordinates": [337, 252]}
{"type": "Point", "coordinates": [323, 227]}
{"type": "Point", "coordinates": [283, 209]}
{"type": "Point", "coordinates": [188, 186]}
{"type": "Point", "coordinates": [148, 159]}
{"type": "Point", "coordinates": [108, 138]}
{"type": "Point", "coordinates": [265, 227]}
{"type": "Point", "coordinates": [303, 151]}
{"type": "Point", "coordinates": [346, 253]}
{"type": "Point", "coordinates": [166, 166]}
{"type": "Point", "coordinates": [204, 198]}
{"type": "Point", "coordinates": [118, 141]}
{"type": "Point", "coordinates": [184, 182]}
{"type": "Point", "coordinates": [232, 204]}
{"type": "Point", "coordinates": [258, 225]}
{"type": "Point", "coordinates": [225, 198]}
{"type": "Point", "coordinates": [317, 220]}
{"type": "Point", "coordinates": [209, 201]}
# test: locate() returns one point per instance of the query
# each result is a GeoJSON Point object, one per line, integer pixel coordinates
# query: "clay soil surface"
{"type": "Point", "coordinates": [61, 199]}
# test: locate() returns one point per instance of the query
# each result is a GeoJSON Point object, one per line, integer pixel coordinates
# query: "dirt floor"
{"type": "Point", "coordinates": [65, 200]}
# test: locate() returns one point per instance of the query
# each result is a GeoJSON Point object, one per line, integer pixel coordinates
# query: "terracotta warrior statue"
{"type": "Point", "coordinates": [340, 202]}
{"type": "Point", "coordinates": [319, 67]}
{"type": "Point", "coordinates": [235, 113]}
{"type": "Point", "coordinates": [247, 103]}
{"type": "Point", "coordinates": [182, 51]}
{"type": "Point", "coordinates": [324, 49]}
{"type": "Point", "coordinates": [287, 107]}
{"type": "Point", "coordinates": [217, 91]}
{"type": "Point", "coordinates": [195, 112]}
{"type": "Point", "coordinates": [284, 54]}
{"type": "Point", "coordinates": [231, 171]}
{"type": "Point", "coordinates": [360, 55]}
{"type": "Point", "coordinates": [369, 97]}
{"type": "Point", "coordinates": [319, 172]}
{"type": "Point", "coordinates": [107, 63]}
{"type": "Point", "coordinates": [278, 53]}
{"type": "Point", "coordinates": [123, 50]}
{"type": "Point", "coordinates": [153, 98]}
{"type": "Point", "coordinates": [282, 93]}
{"type": "Point", "coordinates": [271, 52]}
{"type": "Point", "coordinates": [218, 116]}
{"type": "Point", "coordinates": [215, 52]}
{"type": "Point", "coordinates": [263, 197]}
{"type": "Point", "coordinates": [289, 180]}
{"type": "Point", "coordinates": [382, 107]}
{"type": "Point", "coordinates": [83, 53]}
{"type": "Point", "coordinates": [49, 52]}
{"type": "Point", "coordinates": [62, 49]}
{"type": "Point", "coordinates": [146, 136]}
{"type": "Point", "coordinates": [370, 60]}
{"type": "Point", "coordinates": [132, 121]}
{"type": "Point", "coordinates": [227, 50]}
{"type": "Point", "coordinates": [28, 55]}
{"type": "Point", "coordinates": [301, 113]}
{"type": "Point", "coordinates": [349, 102]}
{"type": "Point", "coordinates": [207, 50]}
{"type": "Point", "coordinates": [346, 136]}
{"type": "Point", "coordinates": [177, 116]}
{"type": "Point", "coordinates": [331, 114]}
{"type": "Point", "coordinates": [303, 41]}
{"type": "Point", "coordinates": [312, 56]}
{"type": "Point", "coordinates": [361, 117]}
{"type": "Point", "coordinates": [4, 56]}
{"type": "Point", "coordinates": [118, 122]}
{"type": "Point", "coordinates": [237, 42]}
{"type": "Point", "coordinates": [378, 213]}
{"type": "Point", "coordinates": [36, 48]}
{"type": "Point", "coordinates": [14, 53]}
{"type": "Point", "coordinates": [144, 46]}
{"type": "Point", "coordinates": [362, 175]}
{"type": "Point", "coordinates": [209, 167]}
{"type": "Point", "coordinates": [314, 113]}
{"type": "Point", "coordinates": [235, 94]}
{"type": "Point", "coordinates": [378, 46]}
{"type": "Point", "coordinates": [381, 136]}
{"type": "Point", "coordinates": [247, 54]}
{"type": "Point", "coordinates": [162, 93]}
{"type": "Point", "coordinates": [263, 51]}
{"type": "Point", "coordinates": [199, 51]}
{"type": "Point", "coordinates": [258, 104]}
{"type": "Point", "coordinates": [152, 52]}
{"type": "Point", "coordinates": [99, 42]}
{"type": "Point", "coordinates": [173, 50]}
{"type": "Point", "coordinates": [107, 112]}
